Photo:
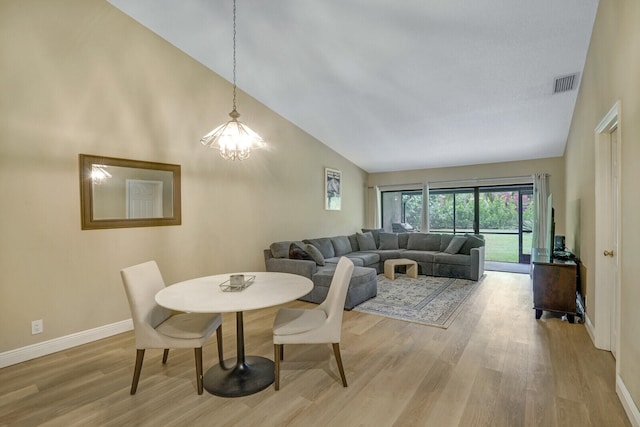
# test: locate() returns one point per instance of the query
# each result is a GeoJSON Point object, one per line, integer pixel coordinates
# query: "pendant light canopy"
{"type": "Point", "coordinates": [234, 139]}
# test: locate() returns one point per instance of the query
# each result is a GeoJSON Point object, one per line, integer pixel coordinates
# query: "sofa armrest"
{"type": "Point", "coordinates": [294, 266]}
{"type": "Point", "coordinates": [477, 263]}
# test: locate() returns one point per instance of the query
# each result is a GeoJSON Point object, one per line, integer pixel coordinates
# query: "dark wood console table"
{"type": "Point", "coordinates": [556, 285]}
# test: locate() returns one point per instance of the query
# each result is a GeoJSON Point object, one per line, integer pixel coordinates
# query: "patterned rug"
{"type": "Point", "coordinates": [433, 301]}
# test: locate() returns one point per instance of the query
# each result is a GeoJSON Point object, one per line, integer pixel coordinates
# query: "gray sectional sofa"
{"type": "Point", "coordinates": [436, 255]}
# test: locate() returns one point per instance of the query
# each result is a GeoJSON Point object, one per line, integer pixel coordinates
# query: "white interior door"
{"type": "Point", "coordinates": [144, 198]}
{"type": "Point", "coordinates": [613, 256]}
{"type": "Point", "coordinates": [607, 234]}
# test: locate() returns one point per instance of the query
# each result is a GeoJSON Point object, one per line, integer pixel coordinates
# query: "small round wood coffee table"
{"type": "Point", "coordinates": [391, 264]}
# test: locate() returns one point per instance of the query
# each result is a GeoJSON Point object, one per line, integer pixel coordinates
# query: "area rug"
{"type": "Point", "coordinates": [433, 301]}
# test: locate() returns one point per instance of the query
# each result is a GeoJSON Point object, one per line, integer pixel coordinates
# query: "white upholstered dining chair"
{"type": "Point", "coordinates": [157, 327]}
{"type": "Point", "coordinates": [322, 324]}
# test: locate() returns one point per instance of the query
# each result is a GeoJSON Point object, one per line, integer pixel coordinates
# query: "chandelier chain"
{"type": "Point", "coordinates": [234, 139]}
{"type": "Point", "coordinates": [234, 55]}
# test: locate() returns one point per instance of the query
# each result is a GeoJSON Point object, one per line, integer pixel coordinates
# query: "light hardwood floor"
{"type": "Point", "coordinates": [494, 366]}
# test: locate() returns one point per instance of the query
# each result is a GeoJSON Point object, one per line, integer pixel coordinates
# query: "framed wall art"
{"type": "Point", "coordinates": [332, 189]}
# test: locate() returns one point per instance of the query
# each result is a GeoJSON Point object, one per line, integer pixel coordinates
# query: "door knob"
{"type": "Point", "coordinates": [608, 253]}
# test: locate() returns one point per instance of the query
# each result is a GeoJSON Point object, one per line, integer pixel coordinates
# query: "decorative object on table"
{"type": "Point", "coordinates": [432, 301]}
{"type": "Point", "coordinates": [322, 324]}
{"type": "Point", "coordinates": [234, 139]}
{"type": "Point", "coordinates": [157, 327]}
{"type": "Point", "coordinates": [237, 283]}
{"type": "Point", "coordinates": [332, 189]}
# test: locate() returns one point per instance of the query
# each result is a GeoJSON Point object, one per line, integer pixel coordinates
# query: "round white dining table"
{"type": "Point", "coordinates": [246, 374]}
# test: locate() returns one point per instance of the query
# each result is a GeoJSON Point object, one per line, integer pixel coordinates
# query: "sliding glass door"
{"type": "Point", "coordinates": [505, 218]}
{"type": "Point", "coordinates": [401, 210]}
{"type": "Point", "coordinates": [452, 211]}
{"type": "Point", "coordinates": [502, 214]}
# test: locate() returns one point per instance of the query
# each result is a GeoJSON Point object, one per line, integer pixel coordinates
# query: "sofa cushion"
{"type": "Point", "coordinates": [315, 253]}
{"type": "Point", "coordinates": [455, 259]}
{"type": "Point", "coordinates": [333, 261]}
{"type": "Point", "coordinates": [403, 239]}
{"type": "Point", "coordinates": [324, 244]}
{"type": "Point", "coordinates": [388, 241]}
{"type": "Point", "coordinates": [366, 241]}
{"type": "Point", "coordinates": [424, 242]}
{"type": "Point", "coordinates": [376, 234]}
{"type": "Point", "coordinates": [455, 245]}
{"type": "Point", "coordinates": [362, 286]}
{"type": "Point", "coordinates": [341, 245]}
{"type": "Point", "coordinates": [472, 242]}
{"type": "Point", "coordinates": [280, 249]}
{"type": "Point", "coordinates": [419, 256]}
{"type": "Point", "coordinates": [353, 239]}
{"type": "Point", "coordinates": [445, 239]}
{"type": "Point", "coordinates": [390, 254]}
{"type": "Point", "coordinates": [368, 258]}
{"type": "Point", "coordinates": [296, 252]}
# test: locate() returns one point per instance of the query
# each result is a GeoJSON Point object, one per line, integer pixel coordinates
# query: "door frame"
{"type": "Point", "coordinates": [606, 295]}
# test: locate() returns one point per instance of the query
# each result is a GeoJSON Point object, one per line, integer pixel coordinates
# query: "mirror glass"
{"type": "Point", "coordinates": [118, 193]}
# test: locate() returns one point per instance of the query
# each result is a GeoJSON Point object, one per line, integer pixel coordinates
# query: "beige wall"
{"type": "Point", "coordinates": [552, 166]}
{"type": "Point", "coordinates": [612, 72]}
{"type": "Point", "coordinates": [78, 76]}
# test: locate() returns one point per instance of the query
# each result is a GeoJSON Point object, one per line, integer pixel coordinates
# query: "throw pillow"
{"type": "Point", "coordinates": [456, 244]}
{"type": "Point", "coordinates": [375, 232]}
{"type": "Point", "coordinates": [341, 245]}
{"type": "Point", "coordinates": [472, 242]}
{"type": "Point", "coordinates": [315, 253]}
{"type": "Point", "coordinates": [280, 249]}
{"type": "Point", "coordinates": [445, 239]}
{"type": "Point", "coordinates": [388, 241]}
{"type": "Point", "coordinates": [325, 246]}
{"type": "Point", "coordinates": [296, 252]}
{"type": "Point", "coordinates": [366, 241]}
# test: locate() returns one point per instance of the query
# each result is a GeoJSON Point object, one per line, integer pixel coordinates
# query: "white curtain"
{"type": "Point", "coordinates": [540, 226]}
{"type": "Point", "coordinates": [373, 208]}
{"type": "Point", "coordinates": [425, 208]}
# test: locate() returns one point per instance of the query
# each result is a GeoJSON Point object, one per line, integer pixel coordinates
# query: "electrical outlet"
{"type": "Point", "coordinates": [37, 327]}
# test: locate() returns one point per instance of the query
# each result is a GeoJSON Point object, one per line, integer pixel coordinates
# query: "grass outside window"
{"type": "Point", "coordinates": [504, 247]}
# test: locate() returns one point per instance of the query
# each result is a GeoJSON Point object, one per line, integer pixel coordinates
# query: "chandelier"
{"type": "Point", "coordinates": [234, 139]}
{"type": "Point", "coordinates": [99, 174]}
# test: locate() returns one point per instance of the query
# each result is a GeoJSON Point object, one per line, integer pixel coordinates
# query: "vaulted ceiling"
{"type": "Point", "coordinates": [397, 85]}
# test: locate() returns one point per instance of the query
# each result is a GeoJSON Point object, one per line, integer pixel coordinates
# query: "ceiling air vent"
{"type": "Point", "coordinates": [566, 83]}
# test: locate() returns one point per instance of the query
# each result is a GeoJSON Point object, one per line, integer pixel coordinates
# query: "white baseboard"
{"type": "Point", "coordinates": [590, 329]}
{"type": "Point", "coordinates": [627, 402]}
{"type": "Point", "coordinates": [29, 352]}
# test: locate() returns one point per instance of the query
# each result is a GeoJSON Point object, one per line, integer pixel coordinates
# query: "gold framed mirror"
{"type": "Point", "coordinates": [121, 193]}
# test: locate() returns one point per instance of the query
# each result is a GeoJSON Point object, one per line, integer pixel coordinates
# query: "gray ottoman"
{"type": "Point", "coordinates": [363, 285]}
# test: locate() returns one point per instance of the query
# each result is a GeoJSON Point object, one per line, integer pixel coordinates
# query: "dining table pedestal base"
{"type": "Point", "coordinates": [243, 379]}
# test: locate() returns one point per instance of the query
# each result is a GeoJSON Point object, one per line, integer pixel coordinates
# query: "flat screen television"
{"type": "Point", "coordinates": [551, 226]}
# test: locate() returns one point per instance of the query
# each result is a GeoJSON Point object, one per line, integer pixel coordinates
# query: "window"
{"type": "Point", "coordinates": [503, 215]}
{"type": "Point", "coordinates": [452, 211]}
{"type": "Point", "coordinates": [401, 207]}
